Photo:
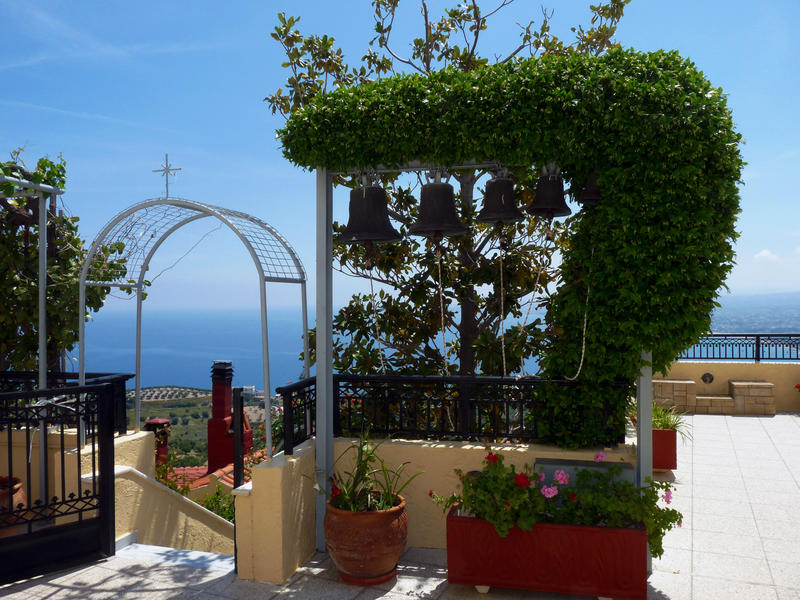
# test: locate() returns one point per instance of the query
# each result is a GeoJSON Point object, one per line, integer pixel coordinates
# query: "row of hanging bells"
{"type": "Point", "coordinates": [369, 216]}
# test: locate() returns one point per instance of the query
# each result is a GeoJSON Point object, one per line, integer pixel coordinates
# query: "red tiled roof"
{"type": "Point", "coordinates": [199, 476]}
{"type": "Point", "coordinates": [188, 475]}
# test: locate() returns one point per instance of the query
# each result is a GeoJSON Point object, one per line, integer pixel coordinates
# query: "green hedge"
{"type": "Point", "coordinates": [656, 250]}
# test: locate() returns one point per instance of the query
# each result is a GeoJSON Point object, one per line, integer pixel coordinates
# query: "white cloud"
{"type": "Point", "coordinates": [77, 114]}
{"type": "Point", "coordinates": [765, 255]}
{"type": "Point", "coordinates": [73, 43]}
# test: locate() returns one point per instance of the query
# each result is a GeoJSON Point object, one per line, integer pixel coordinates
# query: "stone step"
{"type": "Point", "coordinates": [714, 405]}
{"type": "Point", "coordinates": [160, 555]}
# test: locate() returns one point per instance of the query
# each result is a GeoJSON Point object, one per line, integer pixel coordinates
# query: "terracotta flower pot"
{"type": "Point", "coordinates": [365, 546]}
{"type": "Point", "coordinates": [16, 491]}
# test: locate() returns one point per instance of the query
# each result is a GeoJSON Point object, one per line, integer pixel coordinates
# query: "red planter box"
{"type": "Point", "coordinates": [665, 449]}
{"type": "Point", "coordinates": [568, 559]}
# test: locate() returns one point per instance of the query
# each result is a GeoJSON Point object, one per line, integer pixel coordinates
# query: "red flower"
{"type": "Point", "coordinates": [521, 480]}
{"type": "Point", "coordinates": [573, 497]}
{"type": "Point", "coordinates": [430, 493]}
{"type": "Point", "coordinates": [797, 386]}
{"type": "Point", "coordinates": [263, 438]}
{"type": "Point", "coordinates": [491, 458]}
{"type": "Point", "coordinates": [335, 492]}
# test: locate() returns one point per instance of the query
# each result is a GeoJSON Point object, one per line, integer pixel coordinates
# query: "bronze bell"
{"type": "Point", "coordinates": [549, 200]}
{"type": "Point", "coordinates": [590, 192]}
{"type": "Point", "coordinates": [498, 203]}
{"type": "Point", "coordinates": [437, 212]}
{"type": "Point", "coordinates": [369, 218]}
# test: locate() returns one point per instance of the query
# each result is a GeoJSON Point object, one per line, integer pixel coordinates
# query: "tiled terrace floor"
{"type": "Point", "coordinates": [737, 484]}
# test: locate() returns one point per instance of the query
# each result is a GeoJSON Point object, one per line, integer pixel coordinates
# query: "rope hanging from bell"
{"type": "Point", "coordinates": [503, 246]}
{"type": "Point", "coordinates": [445, 353]}
{"type": "Point", "coordinates": [585, 321]}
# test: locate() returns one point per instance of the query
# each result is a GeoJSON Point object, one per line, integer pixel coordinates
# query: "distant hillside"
{"type": "Point", "coordinates": [761, 313]}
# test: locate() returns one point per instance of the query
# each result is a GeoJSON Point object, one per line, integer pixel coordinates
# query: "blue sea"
{"type": "Point", "coordinates": [179, 347]}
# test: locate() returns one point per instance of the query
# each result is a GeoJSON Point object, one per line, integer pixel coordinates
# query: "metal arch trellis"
{"type": "Point", "coordinates": [143, 227]}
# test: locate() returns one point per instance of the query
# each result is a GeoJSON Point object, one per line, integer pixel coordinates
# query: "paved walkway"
{"type": "Point", "coordinates": [737, 484]}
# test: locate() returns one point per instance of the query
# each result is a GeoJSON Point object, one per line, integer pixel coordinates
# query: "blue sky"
{"type": "Point", "coordinates": [113, 86]}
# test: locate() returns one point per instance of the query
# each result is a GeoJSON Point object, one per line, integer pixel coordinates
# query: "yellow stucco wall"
{"type": "Point", "coordinates": [275, 511]}
{"type": "Point", "coordinates": [162, 517]}
{"type": "Point", "coordinates": [436, 461]}
{"type": "Point", "coordinates": [136, 449]}
{"type": "Point", "coordinates": [783, 375]}
{"type": "Point", "coordinates": [275, 516]}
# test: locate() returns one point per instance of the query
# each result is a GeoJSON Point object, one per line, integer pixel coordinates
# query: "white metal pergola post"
{"type": "Point", "coordinates": [41, 191]}
{"type": "Point", "coordinates": [644, 421]}
{"type": "Point", "coordinates": [324, 439]}
{"type": "Point", "coordinates": [644, 428]}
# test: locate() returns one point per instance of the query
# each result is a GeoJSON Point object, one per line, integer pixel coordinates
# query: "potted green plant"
{"type": "Point", "coordinates": [366, 524]}
{"type": "Point", "coordinates": [667, 424]}
{"type": "Point", "coordinates": [588, 536]}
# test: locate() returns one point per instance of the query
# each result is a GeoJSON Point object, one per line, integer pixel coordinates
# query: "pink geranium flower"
{"type": "Point", "coordinates": [599, 457]}
{"type": "Point", "coordinates": [541, 476]}
{"type": "Point", "coordinates": [667, 496]}
{"type": "Point", "coordinates": [549, 491]}
{"type": "Point", "coordinates": [561, 477]}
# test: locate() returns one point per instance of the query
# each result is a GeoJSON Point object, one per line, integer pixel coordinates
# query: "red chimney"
{"type": "Point", "coordinates": [220, 425]}
{"type": "Point", "coordinates": [161, 429]}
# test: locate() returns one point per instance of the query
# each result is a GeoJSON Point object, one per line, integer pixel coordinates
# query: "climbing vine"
{"type": "Point", "coordinates": [652, 255]}
{"type": "Point", "coordinates": [19, 284]}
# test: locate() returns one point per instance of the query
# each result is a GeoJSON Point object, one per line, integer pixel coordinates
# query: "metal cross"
{"type": "Point", "coordinates": [166, 170]}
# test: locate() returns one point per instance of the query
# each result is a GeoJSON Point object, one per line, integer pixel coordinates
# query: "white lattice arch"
{"type": "Point", "coordinates": [142, 229]}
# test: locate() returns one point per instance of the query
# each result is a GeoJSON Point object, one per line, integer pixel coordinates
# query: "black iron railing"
{"type": "Point", "coordinates": [26, 381]}
{"type": "Point", "coordinates": [66, 509]}
{"type": "Point", "coordinates": [299, 412]}
{"type": "Point", "coordinates": [419, 407]}
{"type": "Point", "coordinates": [746, 346]}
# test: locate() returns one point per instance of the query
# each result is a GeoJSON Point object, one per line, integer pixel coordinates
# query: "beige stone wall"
{"type": "Point", "coordinates": [162, 517]}
{"type": "Point", "coordinates": [436, 461]}
{"type": "Point", "coordinates": [783, 375]}
{"type": "Point", "coordinates": [276, 516]}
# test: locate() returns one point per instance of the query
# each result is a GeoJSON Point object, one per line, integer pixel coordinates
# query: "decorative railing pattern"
{"type": "Point", "coordinates": [26, 381]}
{"type": "Point", "coordinates": [26, 415]}
{"type": "Point", "coordinates": [746, 346]}
{"type": "Point", "coordinates": [422, 407]}
{"type": "Point", "coordinates": [299, 412]}
{"type": "Point", "coordinates": [68, 506]}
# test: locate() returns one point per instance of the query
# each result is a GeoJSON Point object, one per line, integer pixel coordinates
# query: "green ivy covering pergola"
{"type": "Point", "coordinates": [651, 257]}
